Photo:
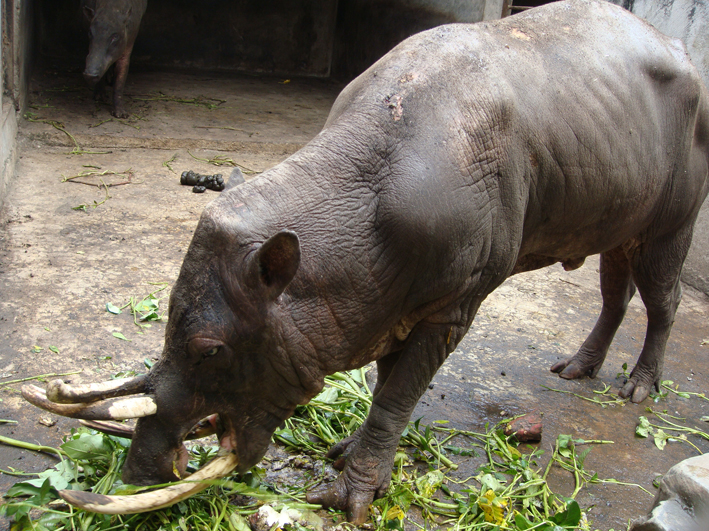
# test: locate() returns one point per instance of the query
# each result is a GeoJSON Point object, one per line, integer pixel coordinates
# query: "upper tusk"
{"type": "Point", "coordinates": [157, 499]}
{"type": "Point", "coordinates": [58, 391]}
{"type": "Point", "coordinates": [111, 409]}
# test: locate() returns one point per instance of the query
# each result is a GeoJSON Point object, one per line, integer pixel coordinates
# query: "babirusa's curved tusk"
{"type": "Point", "coordinates": [62, 393]}
{"type": "Point", "coordinates": [157, 499]}
{"type": "Point", "coordinates": [204, 428]}
{"type": "Point", "coordinates": [112, 409]}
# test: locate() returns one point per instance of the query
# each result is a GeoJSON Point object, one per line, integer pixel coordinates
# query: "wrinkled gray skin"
{"type": "Point", "coordinates": [465, 155]}
{"type": "Point", "coordinates": [113, 27]}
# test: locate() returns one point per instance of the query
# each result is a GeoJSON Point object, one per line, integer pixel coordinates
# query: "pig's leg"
{"type": "Point", "coordinates": [617, 289]}
{"type": "Point", "coordinates": [656, 270]}
{"type": "Point", "coordinates": [367, 472]}
{"type": "Point", "coordinates": [119, 83]}
{"type": "Point", "coordinates": [341, 450]}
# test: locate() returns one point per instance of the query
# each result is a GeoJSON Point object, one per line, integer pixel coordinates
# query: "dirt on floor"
{"type": "Point", "coordinates": [71, 242]}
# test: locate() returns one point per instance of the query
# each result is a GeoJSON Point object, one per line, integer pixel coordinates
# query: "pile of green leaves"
{"type": "Point", "coordinates": [331, 416]}
{"type": "Point", "coordinates": [509, 490]}
{"type": "Point", "coordinates": [92, 461]}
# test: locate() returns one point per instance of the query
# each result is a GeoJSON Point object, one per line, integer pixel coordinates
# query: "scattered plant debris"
{"type": "Point", "coordinates": [672, 388]}
{"type": "Point", "coordinates": [93, 172]}
{"type": "Point", "coordinates": [78, 150]}
{"type": "Point", "coordinates": [168, 163]}
{"type": "Point", "coordinates": [229, 128]}
{"type": "Point", "coordinates": [199, 101]}
{"type": "Point", "coordinates": [145, 310]}
{"type": "Point", "coordinates": [612, 398]}
{"type": "Point", "coordinates": [40, 377]}
{"type": "Point", "coordinates": [130, 122]}
{"type": "Point", "coordinates": [221, 160]}
{"type": "Point", "coordinates": [84, 207]}
{"type": "Point", "coordinates": [677, 432]}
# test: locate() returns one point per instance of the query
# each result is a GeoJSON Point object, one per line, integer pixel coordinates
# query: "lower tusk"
{"type": "Point", "coordinates": [112, 409]}
{"type": "Point", "coordinates": [109, 427]}
{"type": "Point", "coordinates": [58, 391]}
{"type": "Point", "coordinates": [203, 429]}
{"type": "Point", "coordinates": [158, 499]}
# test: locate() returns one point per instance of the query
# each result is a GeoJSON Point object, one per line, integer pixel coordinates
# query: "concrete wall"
{"type": "Point", "coordinates": [288, 37]}
{"type": "Point", "coordinates": [17, 31]}
{"type": "Point", "coordinates": [687, 20]}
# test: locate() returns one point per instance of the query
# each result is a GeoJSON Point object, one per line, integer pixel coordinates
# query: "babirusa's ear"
{"type": "Point", "coordinates": [235, 179]}
{"type": "Point", "coordinates": [278, 260]}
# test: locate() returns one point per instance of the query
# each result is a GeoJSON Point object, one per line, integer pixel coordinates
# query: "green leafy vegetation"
{"type": "Point", "coordinates": [509, 490]}
{"type": "Point", "coordinates": [144, 310]}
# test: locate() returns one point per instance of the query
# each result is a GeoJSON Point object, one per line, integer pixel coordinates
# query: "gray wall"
{"type": "Point", "coordinates": [338, 38]}
{"type": "Point", "coordinates": [16, 25]}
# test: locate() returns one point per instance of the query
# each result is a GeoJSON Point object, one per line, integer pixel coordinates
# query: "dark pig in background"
{"type": "Point", "coordinates": [113, 27]}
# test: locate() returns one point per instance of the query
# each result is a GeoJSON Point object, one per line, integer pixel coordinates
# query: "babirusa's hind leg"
{"type": "Point", "coordinates": [617, 289]}
{"type": "Point", "coordinates": [656, 271]}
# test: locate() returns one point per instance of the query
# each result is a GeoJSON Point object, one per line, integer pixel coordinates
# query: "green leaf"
{"type": "Point", "coordinates": [24, 488]}
{"type": "Point", "coordinates": [121, 336]}
{"type": "Point", "coordinates": [152, 316]}
{"type": "Point", "coordinates": [429, 483]}
{"type": "Point", "coordinates": [489, 482]}
{"type": "Point", "coordinates": [44, 496]}
{"type": "Point", "coordinates": [88, 447]}
{"type": "Point", "coordinates": [570, 517]}
{"type": "Point", "coordinates": [327, 396]}
{"type": "Point", "coordinates": [54, 349]}
{"type": "Point", "coordinates": [643, 429]}
{"type": "Point", "coordinates": [236, 523]}
{"type": "Point", "coordinates": [661, 439]}
{"type": "Point", "coordinates": [110, 308]}
{"type": "Point", "coordinates": [564, 440]}
{"type": "Point", "coordinates": [522, 523]}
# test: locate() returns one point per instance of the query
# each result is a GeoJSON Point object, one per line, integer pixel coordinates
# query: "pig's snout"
{"type": "Point", "coordinates": [91, 78]}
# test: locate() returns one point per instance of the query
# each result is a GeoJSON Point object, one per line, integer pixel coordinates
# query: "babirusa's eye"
{"type": "Point", "coordinates": [204, 347]}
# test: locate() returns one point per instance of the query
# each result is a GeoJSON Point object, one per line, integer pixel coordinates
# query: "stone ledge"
{"type": "Point", "coordinates": [8, 148]}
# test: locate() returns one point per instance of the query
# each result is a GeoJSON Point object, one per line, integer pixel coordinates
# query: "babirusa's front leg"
{"type": "Point", "coordinates": [368, 468]}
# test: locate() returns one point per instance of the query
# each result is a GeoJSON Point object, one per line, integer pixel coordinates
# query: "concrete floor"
{"type": "Point", "coordinates": [60, 266]}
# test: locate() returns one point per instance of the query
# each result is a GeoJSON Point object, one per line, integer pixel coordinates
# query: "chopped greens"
{"type": "Point", "coordinates": [508, 491]}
